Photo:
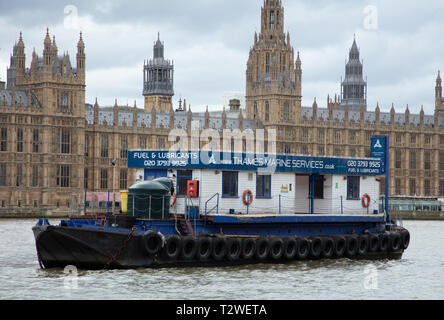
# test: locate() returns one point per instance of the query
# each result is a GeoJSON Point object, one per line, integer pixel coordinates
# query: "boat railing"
{"type": "Point", "coordinates": [216, 195]}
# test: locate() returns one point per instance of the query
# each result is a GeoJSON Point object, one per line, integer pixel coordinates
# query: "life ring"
{"type": "Point", "coordinates": [250, 198]}
{"type": "Point", "coordinates": [174, 200]}
{"type": "Point", "coordinates": [366, 200]}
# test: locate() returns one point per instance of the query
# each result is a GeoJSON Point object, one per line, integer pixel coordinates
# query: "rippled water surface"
{"type": "Point", "coordinates": [418, 275]}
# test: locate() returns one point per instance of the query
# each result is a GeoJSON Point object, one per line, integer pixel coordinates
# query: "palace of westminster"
{"type": "Point", "coordinates": [54, 145]}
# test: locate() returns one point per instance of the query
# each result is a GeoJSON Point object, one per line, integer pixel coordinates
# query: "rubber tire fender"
{"type": "Point", "coordinates": [204, 248]}
{"type": "Point", "coordinates": [153, 242]}
{"type": "Point", "coordinates": [394, 241]}
{"type": "Point", "coordinates": [262, 248]}
{"type": "Point", "coordinates": [172, 247]}
{"type": "Point", "coordinates": [234, 249]}
{"type": "Point", "coordinates": [383, 242]}
{"type": "Point", "coordinates": [276, 248]}
{"type": "Point", "coordinates": [189, 248]}
{"type": "Point", "coordinates": [303, 248]}
{"type": "Point", "coordinates": [248, 248]}
{"type": "Point", "coordinates": [340, 245]}
{"type": "Point", "coordinates": [373, 243]}
{"type": "Point", "coordinates": [327, 247]}
{"type": "Point", "coordinates": [363, 244]}
{"type": "Point", "coordinates": [315, 247]}
{"type": "Point", "coordinates": [405, 238]}
{"type": "Point", "coordinates": [219, 248]}
{"type": "Point", "coordinates": [290, 248]}
{"type": "Point", "coordinates": [352, 246]}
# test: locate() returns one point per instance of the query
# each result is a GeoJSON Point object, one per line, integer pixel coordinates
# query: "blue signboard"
{"type": "Point", "coordinates": [164, 159]}
{"type": "Point", "coordinates": [379, 150]}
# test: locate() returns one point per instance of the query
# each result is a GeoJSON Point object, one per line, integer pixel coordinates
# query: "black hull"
{"type": "Point", "coordinates": [92, 249]}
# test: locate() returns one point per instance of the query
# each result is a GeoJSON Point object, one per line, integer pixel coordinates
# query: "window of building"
{"type": "Point", "coordinates": [398, 162]}
{"type": "Point", "coordinates": [321, 133]}
{"type": "Point", "coordinates": [318, 187]}
{"type": "Point", "coordinates": [272, 20]}
{"type": "Point", "coordinates": [267, 62]}
{"type": "Point", "coordinates": [441, 161]}
{"type": "Point", "coordinates": [441, 139]}
{"type": "Point", "coordinates": [412, 160]}
{"type": "Point", "coordinates": [267, 111]}
{"type": "Point", "coordinates": [321, 151]}
{"type": "Point", "coordinates": [304, 149]}
{"type": "Point", "coordinates": [86, 145]}
{"type": "Point", "coordinates": [4, 139]}
{"type": "Point", "coordinates": [263, 186]}
{"type": "Point", "coordinates": [35, 176]}
{"type": "Point", "coordinates": [427, 187]}
{"type": "Point", "coordinates": [427, 160]}
{"type": "Point", "coordinates": [18, 180]}
{"type": "Point", "coordinates": [123, 179]}
{"type": "Point", "coordinates": [441, 188]}
{"type": "Point", "coordinates": [427, 139]}
{"type": "Point", "coordinates": [398, 138]}
{"type": "Point", "coordinates": [353, 183]}
{"type": "Point", "coordinates": [63, 176]}
{"type": "Point", "coordinates": [63, 141]}
{"type": "Point", "coordinates": [3, 175]}
{"type": "Point", "coordinates": [85, 178]}
{"type": "Point", "coordinates": [103, 179]}
{"type": "Point", "coordinates": [352, 153]}
{"type": "Point", "coordinates": [123, 147]}
{"type": "Point", "coordinates": [161, 143]}
{"type": "Point", "coordinates": [398, 187]}
{"type": "Point", "coordinates": [35, 141]}
{"type": "Point", "coordinates": [19, 140]}
{"type": "Point", "coordinates": [183, 176]}
{"type": "Point", "coordinates": [286, 111]}
{"type": "Point", "coordinates": [142, 143]}
{"type": "Point", "coordinates": [337, 135]}
{"type": "Point", "coordinates": [229, 183]}
{"type": "Point", "coordinates": [104, 147]}
{"type": "Point", "coordinates": [413, 139]}
{"type": "Point", "coordinates": [337, 152]}
{"type": "Point", "coordinates": [412, 187]}
{"type": "Point", "coordinates": [64, 101]}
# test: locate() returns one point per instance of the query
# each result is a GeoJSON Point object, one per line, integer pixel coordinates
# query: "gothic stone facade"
{"type": "Point", "coordinates": [53, 146]}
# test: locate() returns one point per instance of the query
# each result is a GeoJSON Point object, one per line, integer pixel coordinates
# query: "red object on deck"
{"type": "Point", "coordinates": [192, 189]}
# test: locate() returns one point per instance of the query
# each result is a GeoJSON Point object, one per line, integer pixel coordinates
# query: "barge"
{"type": "Point", "coordinates": [198, 208]}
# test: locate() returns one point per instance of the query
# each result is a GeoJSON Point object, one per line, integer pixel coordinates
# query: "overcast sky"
{"type": "Point", "coordinates": [401, 43]}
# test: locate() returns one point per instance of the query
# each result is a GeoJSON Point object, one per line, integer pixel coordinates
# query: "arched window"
{"type": "Point", "coordinates": [267, 111]}
{"type": "Point", "coordinates": [267, 62]}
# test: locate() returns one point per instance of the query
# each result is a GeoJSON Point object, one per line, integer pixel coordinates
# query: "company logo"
{"type": "Point", "coordinates": [377, 144]}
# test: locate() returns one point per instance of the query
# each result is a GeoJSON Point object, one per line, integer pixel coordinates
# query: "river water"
{"type": "Point", "coordinates": [418, 275]}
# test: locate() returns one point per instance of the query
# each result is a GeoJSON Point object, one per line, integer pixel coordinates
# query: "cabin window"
{"type": "Point", "coordinates": [318, 191]}
{"type": "Point", "coordinates": [183, 176]}
{"type": "Point", "coordinates": [229, 184]}
{"type": "Point", "coordinates": [353, 188]}
{"type": "Point", "coordinates": [263, 186]}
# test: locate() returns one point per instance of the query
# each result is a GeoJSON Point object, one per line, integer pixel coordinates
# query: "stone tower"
{"type": "Point", "coordinates": [273, 83]}
{"type": "Point", "coordinates": [439, 100]}
{"type": "Point", "coordinates": [354, 88]}
{"type": "Point", "coordinates": [158, 75]}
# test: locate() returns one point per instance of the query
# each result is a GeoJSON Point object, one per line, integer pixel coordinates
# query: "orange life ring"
{"type": "Point", "coordinates": [174, 200]}
{"type": "Point", "coordinates": [365, 203]}
{"type": "Point", "coordinates": [250, 198]}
